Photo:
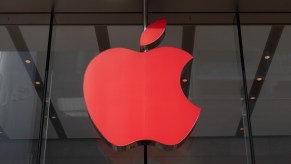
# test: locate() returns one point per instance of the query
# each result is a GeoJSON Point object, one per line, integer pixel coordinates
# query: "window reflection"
{"type": "Point", "coordinates": [21, 64]}
{"type": "Point", "coordinates": [271, 116]}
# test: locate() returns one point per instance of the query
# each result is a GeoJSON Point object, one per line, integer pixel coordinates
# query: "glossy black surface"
{"type": "Point", "coordinates": [22, 62]}
{"type": "Point", "coordinates": [215, 84]}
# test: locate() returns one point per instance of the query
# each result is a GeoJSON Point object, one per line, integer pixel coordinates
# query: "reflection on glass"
{"type": "Point", "coordinates": [215, 87]}
{"type": "Point", "coordinates": [271, 112]}
{"type": "Point", "coordinates": [74, 47]}
{"type": "Point", "coordinates": [21, 65]}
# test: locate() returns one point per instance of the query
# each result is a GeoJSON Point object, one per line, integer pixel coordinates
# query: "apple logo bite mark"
{"type": "Point", "coordinates": [135, 96]}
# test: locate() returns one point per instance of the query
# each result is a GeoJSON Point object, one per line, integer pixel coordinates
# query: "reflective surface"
{"type": "Point", "coordinates": [215, 87]}
{"type": "Point", "coordinates": [22, 60]}
{"type": "Point", "coordinates": [213, 82]}
{"type": "Point", "coordinates": [215, 64]}
{"type": "Point", "coordinates": [73, 48]}
{"type": "Point", "coordinates": [271, 112]}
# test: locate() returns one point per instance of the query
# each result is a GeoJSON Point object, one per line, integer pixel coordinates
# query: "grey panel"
{"type": "Point", "coordinates": [216, 81]}
{"type": "Point", "coordinates": [6, 43]}
{"type": "Point", "coordinates": [192, 6]}
{"type": "Point", "coordinates": [98, 6]}
{"type": "Point", "coordinates": [272, 113]}
{"type": "Point", "coordinates": [25, 6]}
{"type": "Point", "coordinates": [255, 38]}
{"type": "Point", "coordinates": [154, 6]}
{"type": "Point", "coordinates": [264, 6]}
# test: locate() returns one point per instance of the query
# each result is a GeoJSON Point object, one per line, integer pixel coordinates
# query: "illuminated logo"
{"type": "Point", "coordinates": [136, 96]}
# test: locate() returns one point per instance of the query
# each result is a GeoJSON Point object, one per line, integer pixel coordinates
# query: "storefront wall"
{"type": "Point", "coordinates": [240, 77]}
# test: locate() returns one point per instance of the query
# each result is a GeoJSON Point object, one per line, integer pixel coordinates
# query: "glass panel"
{"type": "Point", "coordinates": [72, 138]}
{"type": "Point", "coordinates": [22, 66]}
{"type": "Point", "coordinates": [215, 86]}
{"type": "Point", "coordinates": [268, 57]}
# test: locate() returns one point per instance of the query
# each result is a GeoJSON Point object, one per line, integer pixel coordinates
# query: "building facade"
{"type": "Point", "coordinates": [240, 77]}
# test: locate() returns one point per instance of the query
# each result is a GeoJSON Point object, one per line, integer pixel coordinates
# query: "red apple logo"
{"type": "Point", "coordinates": [136, 96]}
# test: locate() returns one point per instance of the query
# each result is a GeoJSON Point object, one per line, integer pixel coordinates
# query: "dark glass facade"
{"type": "Point", "coordinates": [240, 77]}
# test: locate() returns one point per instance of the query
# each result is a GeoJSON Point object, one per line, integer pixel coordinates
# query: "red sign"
{"type": "Point", "coordinates": [135, 96]}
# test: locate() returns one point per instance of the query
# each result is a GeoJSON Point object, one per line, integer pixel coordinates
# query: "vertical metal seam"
{"type": "Point", "coordinates": [145, 14]}
{"type": "Point", "coordinates": [246, 96]}
{"type": "Point", "coordinates": [44, 102]}
{"type": "Point", "coordinates": [145, 19]}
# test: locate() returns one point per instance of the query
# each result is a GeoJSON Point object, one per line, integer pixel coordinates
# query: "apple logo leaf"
{"type": "Point", "coordinates": [153, 34]}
